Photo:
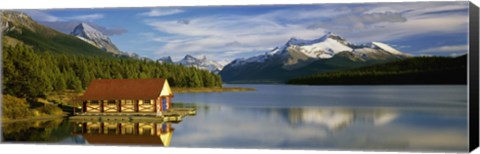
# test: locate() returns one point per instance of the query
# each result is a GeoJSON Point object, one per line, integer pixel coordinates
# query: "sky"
{"type": "Point", "coordinates": [224, 33]}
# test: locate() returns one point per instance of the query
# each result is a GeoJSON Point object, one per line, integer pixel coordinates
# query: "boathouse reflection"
{"type": "Point", "coordinates": [130, 133]}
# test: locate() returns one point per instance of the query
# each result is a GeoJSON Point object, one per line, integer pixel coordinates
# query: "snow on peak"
{"type": "Point", "coordinates": [86, 31]}
{"type": "Point", "coordinates": [387, 48]}
{"type": "Point", "coordinates": [201, 63]}
{"type": "Point", "coordinates": [188, 57]}
{"type": "Point", "coordinates": [324, 47]}
{"type": "Point", "coordinates": [166, 59]}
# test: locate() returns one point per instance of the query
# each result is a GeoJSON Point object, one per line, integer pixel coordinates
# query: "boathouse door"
{"type": "Point", "coordinates": [164, 103]}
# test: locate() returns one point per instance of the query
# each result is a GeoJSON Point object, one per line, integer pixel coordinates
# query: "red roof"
{"type": "Point", "coordinates": [117, 89]}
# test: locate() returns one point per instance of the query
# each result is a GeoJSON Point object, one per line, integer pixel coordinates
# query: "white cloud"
{"type": "Point", "coordinates": [421, 18]}
{"type": "Point", "coordinates": [161, 12]}
{"type": "Point", "coordinates": [255, 34]}
{"type": "Point", "coordinates": [87, 17]}
{"type": "Point", "coordinates": [447, 49]}
{"type": "Point", "coordinates": [42, 16]}
{"type": "Point", "coordinates": [215, 34]}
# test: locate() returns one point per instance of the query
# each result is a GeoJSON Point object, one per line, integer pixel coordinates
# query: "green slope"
{"type": "Point", "coordinates": [23, 30]}
{"type": "Point", "coordinates": [418, 70]}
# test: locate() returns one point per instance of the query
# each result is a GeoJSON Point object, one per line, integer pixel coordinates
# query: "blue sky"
{"type": "Point", "coordinates": [225, 33]}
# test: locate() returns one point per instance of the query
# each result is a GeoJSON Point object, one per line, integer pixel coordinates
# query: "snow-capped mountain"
{"type": "Point", "coordinates": [165, 60]}
{"type": "Point", "coordinates": [323, 48]}
{"type": "Point", "coordinates": [201, 63]}
{"type": "Point", "coordinates": [91, 35]}
{"type": "Point", "coordinates": [328, 52]}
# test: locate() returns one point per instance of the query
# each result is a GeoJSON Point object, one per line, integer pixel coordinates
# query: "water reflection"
{"type": "Point", "coordinates": [225, 126]}
{"type": "Point", "coordinates": [336, 119]}
{"type": "Point", "coordinates": [325, 128]}
{"type": "Point", "coordinates": [139, 133]}
{"type": "Point", "coordinates": [36, 131]}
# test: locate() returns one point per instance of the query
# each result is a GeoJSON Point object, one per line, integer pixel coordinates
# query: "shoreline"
{"type": "Point", "coordinates": [50, 117]}
{"type": "Point", "coordinates": [68, 95]}
{"type": "Point", "coordinates": [206, 90]}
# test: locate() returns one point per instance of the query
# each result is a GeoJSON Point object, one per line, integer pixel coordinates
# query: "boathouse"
{"type": "Point", "coordinates": [114, 96]}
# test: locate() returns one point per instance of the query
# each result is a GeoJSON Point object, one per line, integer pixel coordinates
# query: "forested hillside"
{"type": "Point", "coordinates": [29, 74]}
{"type": "Point", "coordinates": [418, 70]}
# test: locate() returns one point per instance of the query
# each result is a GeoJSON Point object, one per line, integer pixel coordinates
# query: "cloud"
{"type": "Point", "coordinates": [161, 12]}
{"type": "Point", "coordinates": [87, 17]}
{"type": "Point", "coordinates": [41, 16]}
{"type": "Point", "coordinates": [231, 36]}
{"type": "Point", "coordinates": [226, 34]}
{"type": "Point", "coordinates": [362, 21]}
{"type": "Point", "coordinates": [395, 21]}
{"type": "Point", "coordinates": [45, 17]}
{"type": "Point", "coordinates": [447, 49]}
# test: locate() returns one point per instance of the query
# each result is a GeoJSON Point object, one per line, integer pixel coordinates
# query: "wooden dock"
{"type": "Point", "coordinates": [172, 115]}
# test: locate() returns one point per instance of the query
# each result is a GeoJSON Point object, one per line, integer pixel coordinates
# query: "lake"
{"type": "Point", "coordinates": [379, 118]}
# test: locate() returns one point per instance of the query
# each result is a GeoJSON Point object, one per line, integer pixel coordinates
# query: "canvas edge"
{"type": "Point", "coordinates": [473, 58]}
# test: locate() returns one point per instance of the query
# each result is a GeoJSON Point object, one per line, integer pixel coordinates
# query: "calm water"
{"type": "Point", "coordinates": [392, 118]}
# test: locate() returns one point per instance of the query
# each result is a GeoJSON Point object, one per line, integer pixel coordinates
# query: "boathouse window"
{"type": "Point", "coordinates": [129, 102]}
{"type": "Point", "coordinates": [147, 102]}
{"type": "Point", "coordinates": [111, 102]}
{"type": "Point", "coordinates": [140, 101]}
{"type": "Point", "coordinates": [94, 102]}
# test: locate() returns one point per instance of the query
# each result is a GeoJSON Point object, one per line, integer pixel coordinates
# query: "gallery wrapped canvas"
{"type": "Point", "coordinates": [397, 76]}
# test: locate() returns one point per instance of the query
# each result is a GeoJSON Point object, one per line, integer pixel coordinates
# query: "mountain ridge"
{"type": "Point", "coordinates": [87, 33]}
{"type": "Point", "coordinates": [301, 57]}
{"type": "Point", "coordinates": [192, 61]}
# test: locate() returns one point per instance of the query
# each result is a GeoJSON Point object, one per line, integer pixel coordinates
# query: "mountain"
{"type": "Point", "coordinates": [298, 57]}
{"type": "Point", "coordinates": [19, 28]}
{"type": "Point", "coordinates": [165, 60]}
{"type": "Point", "coordinates": [66, 27]}
{"type": "Point", "coordinates": [87, 33]}
{"type": "Point", "coordinates": [201, 63]}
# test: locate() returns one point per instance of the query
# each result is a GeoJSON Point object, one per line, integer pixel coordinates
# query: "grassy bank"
{"type": "Point", "coordinates": [17, 109]}
{"type": "Point", "coordinates": [203, 90]}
